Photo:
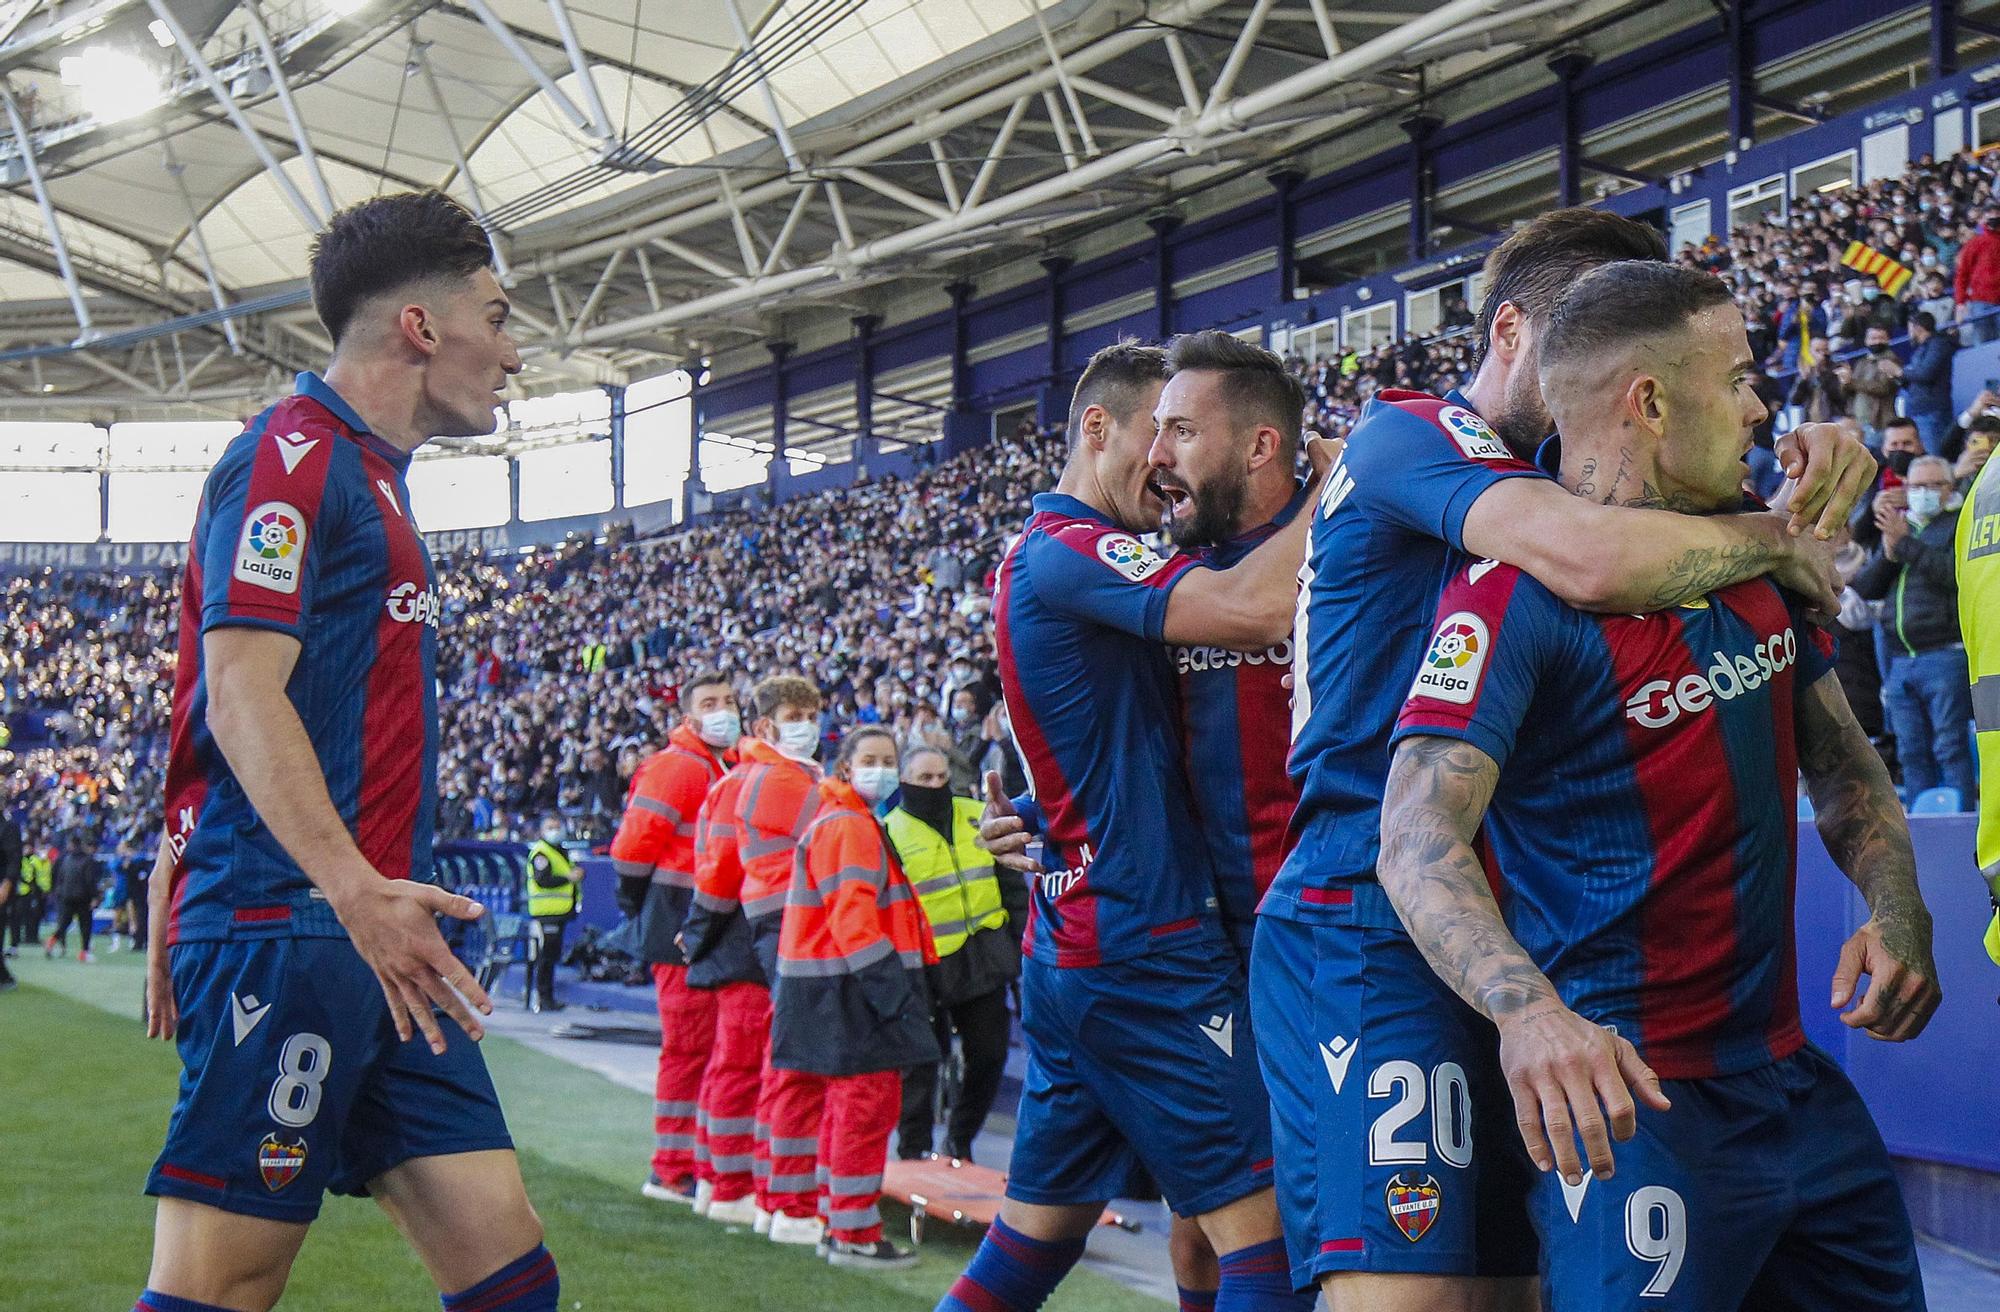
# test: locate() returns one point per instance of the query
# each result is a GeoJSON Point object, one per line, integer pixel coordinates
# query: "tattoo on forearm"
{"type": "Point", "coordinates": [1700, 571]}
{"type": "Point", "coordinates": [1438, 790]}
{"type": "Point", "coordinates": [1861, 819]}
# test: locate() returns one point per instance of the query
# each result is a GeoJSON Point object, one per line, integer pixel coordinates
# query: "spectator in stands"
{"type": "Point", "coordinates": [1876, 378]}
{"type": "Point", "coordinates": [850, 1002]}
{"type": "Point", "coordinates": [977, 914]}
{"type": "Point", "coordinates": [1927, 382]}
{"type": "Point", "coordinates": [1900, 446]}
{"type": "Point", "coordinates": [76, 879]}
{"type": "Point", "coordinates": [1983, 432]}
{"type": "Point", "coordinates": [1802, 319]}
{"type": "Point", "coordinates": [1976, 283]}
{"type": "Point", "coordinates": [1821, 390]}
{"type": "Point", "coordinates": [1926, 689]}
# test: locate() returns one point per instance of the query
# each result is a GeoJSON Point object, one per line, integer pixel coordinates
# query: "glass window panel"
{"type": "Point", "coordinates": [190, 445]}
{"type": "Point", "coordinates": [459, 492]}
{"type": "Point", "coordinates": [566, 480]}
{"type": "Point", "coordinates": [45, 445]}
{"type": "Point", "coordinates": [154, 505]}
{"type": "Point", "coordinates": [40, 507]}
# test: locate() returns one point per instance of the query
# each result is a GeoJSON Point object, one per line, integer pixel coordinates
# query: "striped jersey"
{"type": "Point", "coordinates": [304, 529]}
{"type": "Point", "coordinates": [1389, 516]}
{"type": "Point", "coordinates": [1643, 831]}
{"type": "Point", "coordinates": [1080, 607]}
{"type": "Point", "coordinates": [1237, 713]}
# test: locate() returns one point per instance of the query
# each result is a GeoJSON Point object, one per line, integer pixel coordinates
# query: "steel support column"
{"type": "Point", "coordinates": [1740, 74]}
{"type": "Point", "coordinates": [1054, 402]}
{"type": "Point", "coordinates": [34, 170]}
{"type": "Point", "coordinates": [617, 395]}
{"type": "Point", "coordinates": [961, 341]}
{"type": "Point", "coordinates": [1285, 182]}
{"type": "Point", "coordinates": [1568, 66]}
{"type": "Point", "coordinates": [1423, 181]}
{"type": "Point", "coordinates": [300, 137]}
{"type": "Point", "coordinates": [777, 474]}
{"type": "Point", "coordinates": [1944, 38]}
{"type": "Point", "coordinates": [864, 391]}
{"type": "Point", "coordinates": [1163, 226]}
{"type": "Point", "coordinates": [691, 487]}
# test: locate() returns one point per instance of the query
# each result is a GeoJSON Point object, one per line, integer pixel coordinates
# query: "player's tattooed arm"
{"type": "Point", "coordinates": [1861, 821]}
{"type": "Point", "coordinates": [1437, 794]}
{"type": "Point", "coordinates": [1571, 1080]}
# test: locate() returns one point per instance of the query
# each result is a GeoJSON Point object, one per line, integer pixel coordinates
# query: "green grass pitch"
{"type": "Point", "coordinates": [85, 1102]}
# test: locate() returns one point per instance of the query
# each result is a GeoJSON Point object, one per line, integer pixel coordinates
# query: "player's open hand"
{"type": "Point", "coordinates": [1808, 571]}
{"type": "Point", "coordinates": [1321, 452]}
{"type": "Point", "coordinates": [1572, 1079]}
{"type": "Point", "coordinates": [1002, 832]}
{"type": "Point", "coordinates": [1902, 992]}
{"type": "Point", "coordinates": [1833, 471]}
{"type": "Point", "coordinates": [163, 1017]}
{"type": "Point", "coordinates": [392, 925]}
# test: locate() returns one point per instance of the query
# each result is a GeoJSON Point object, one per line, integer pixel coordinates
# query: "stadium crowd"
{"type": "Point", "coordinates": [878, 592]}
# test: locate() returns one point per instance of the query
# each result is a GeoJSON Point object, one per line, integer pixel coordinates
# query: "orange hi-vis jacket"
{"type": "Point", "coordinates": [777, 802]}
{"type": "Point", "coordinates": [716, 935]}
{"type": "Point", "coordinates": [850, 995]}
{"type": "Point", "coordinates": [655, 839]}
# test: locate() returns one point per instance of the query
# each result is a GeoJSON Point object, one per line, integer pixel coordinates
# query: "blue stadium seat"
{"type": "Point", "coordinates": [1937, 801]}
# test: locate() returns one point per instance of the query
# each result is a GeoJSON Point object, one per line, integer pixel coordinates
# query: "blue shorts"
{"type": "Point", "coordinates": [1138, 1068]}
{"type": "Point", "coordinates": [1768, 1190]}
{"type": "Point", "coordinates": [293, 1082]}
{"type": "Point", "coordinates": [1392, 1124]}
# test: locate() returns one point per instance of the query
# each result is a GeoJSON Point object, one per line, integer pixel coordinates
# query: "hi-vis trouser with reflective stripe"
{"type": "Point", "coordinates": [1979, 624]}
{"type": "Point", "coordinates": [726, 1147]}
{"type": "Point", "coordinates": [853, 1149]}
{"type": "Point", "coordinates": [687, 1039]}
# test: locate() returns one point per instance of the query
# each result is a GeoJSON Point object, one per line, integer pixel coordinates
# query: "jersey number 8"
{"type": "Point", "coordinates": [302, 1066]}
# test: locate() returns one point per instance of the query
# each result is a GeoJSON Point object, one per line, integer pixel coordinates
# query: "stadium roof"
{"type": "Point", "coordinates": [661, 175]}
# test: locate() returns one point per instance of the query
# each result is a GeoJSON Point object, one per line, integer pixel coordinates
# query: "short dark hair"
{"type": "Point", "coordinates": [1989, 424]}
{"type": "Point", "coordinates": [1112, 381]}
{"type": "Point", "coordinates": [781, 690]}
{"type": "Point", "coordinates": [390, 242]}
{"type": "Point", "coordinates": [1255, 381]}
{"type": "Point", "coordinates": [1899, 421]}
{"type": "Point", "coordinates": [1925, 320]}
{"type": "Point", "coordinates": [1538, 263]}
{"type": "Point", "coordinates": [1625, 302]}
{"type": "Point", "coordinates": [703, 679]}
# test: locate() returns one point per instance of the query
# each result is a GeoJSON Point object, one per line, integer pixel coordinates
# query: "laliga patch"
{"type": "Point", "coordinates": [280, 1162]}
{"type": "Point", "coordinates": [1474, 437]}
{"type": "Point", "coordinates": [1413, 1203]}
{"type": "Point", "coordinates": [273, 547]}
{"type": "Point", "coordinates": [1129, 556]}
{"type": "Point", "coordinates": [1455, 660]}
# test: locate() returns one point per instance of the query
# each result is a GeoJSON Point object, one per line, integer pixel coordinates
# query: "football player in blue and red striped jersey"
{"type": "Point", "coordinates": [1636, 776]}
{"type": "Point", "coordinates": [1139, 1039]}
{"type": "Point", "coordinates": [297, 959]}
{"type": "Point", "coordinates": [1346, 1007]}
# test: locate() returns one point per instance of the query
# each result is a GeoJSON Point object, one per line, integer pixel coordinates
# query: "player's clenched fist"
{"type": "Point", "coordinates": [1571, 1080]}
{"type": "Point", "coordinates": [1002, 831]}
{"type": "Point", "coordinates": [391, 923]}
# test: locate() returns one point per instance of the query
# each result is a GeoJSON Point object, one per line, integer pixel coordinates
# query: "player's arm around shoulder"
{"type": "Point", "coordinates": [1861, 820]}
{"type": "Point", "coordinates": [390, 922]}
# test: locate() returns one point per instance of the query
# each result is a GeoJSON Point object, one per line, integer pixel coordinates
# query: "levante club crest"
{"type": "Point", "coordinates": [1413, 1203]}
{"type": "Point", "coordinates": [279, 1162]}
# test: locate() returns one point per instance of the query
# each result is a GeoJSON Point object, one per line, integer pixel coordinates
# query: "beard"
{"type": "Point", "coordinates": [1523, 421]}
{"type": "Point", "coordinates": [1209, 516]}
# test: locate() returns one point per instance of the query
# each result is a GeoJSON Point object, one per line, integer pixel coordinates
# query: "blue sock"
{"type": "Point", "coordinates": [156, 1302]}
{"type": "Point", "coordinates": [1259, 1279]}
{"type": "Point", "coordinates": [526, 1284]}
{"type": "Point", "coordinates": [1011, 1272]}
{"type": "Point", "coordinates": [1196, 1300]}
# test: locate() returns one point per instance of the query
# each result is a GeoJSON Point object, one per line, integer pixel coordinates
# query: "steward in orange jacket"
{"type": "Point", "coordinates": [850, 996]}
{"type": "Point", "coordinates": [653, 851]}
{"type": "Point", "coordinates": [714, 934]}
{"type": "Point", "coordinates": [776, 804]}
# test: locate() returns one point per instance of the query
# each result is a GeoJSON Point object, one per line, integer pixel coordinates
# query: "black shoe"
{"type": "Point", "coordinates": [958, 1151]}
{"type": "Point", "coordinates": [880, 1255]}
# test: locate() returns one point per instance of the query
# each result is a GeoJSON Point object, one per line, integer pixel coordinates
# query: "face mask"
{"type": "Point", "coordinates": [961, 718]}
{"type": "Point", "coordinates": [930, 804]}
{"type": "Point", "coordinates": [1925, 502]}
{"type": "Point", "coordinates": [1899, 462]}
{"type": "Point", "coordinates": [799, 739]}
{"type": "Point", "coordinates": [1878, 348]}
{"type": "Point", "coordinates": [874, 782]}
{"type": "Point", "coordinates": [720, 728]}
{"type": "Point", "coordinates": [552, 836]}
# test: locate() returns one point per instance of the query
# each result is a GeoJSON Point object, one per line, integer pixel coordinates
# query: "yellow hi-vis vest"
{"type": "Point", "coordinates": [36, 873]}
{"type": "Point", "coordinates": [1979, 624]}
{"type": "Point", "coordinates": [954, 881]}
{"type": "Point", "coordinates": [563, 898]}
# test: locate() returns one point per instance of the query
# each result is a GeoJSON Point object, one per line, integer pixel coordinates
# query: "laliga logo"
{"type": "Point", "coordinates": [274, 535]}
{"type": "Point", "coordinates": [1659, 703]}
{"type": "Point", "coordinates": [1455, 660]}
{"type": "Point", "coordinates": [407, 605]}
